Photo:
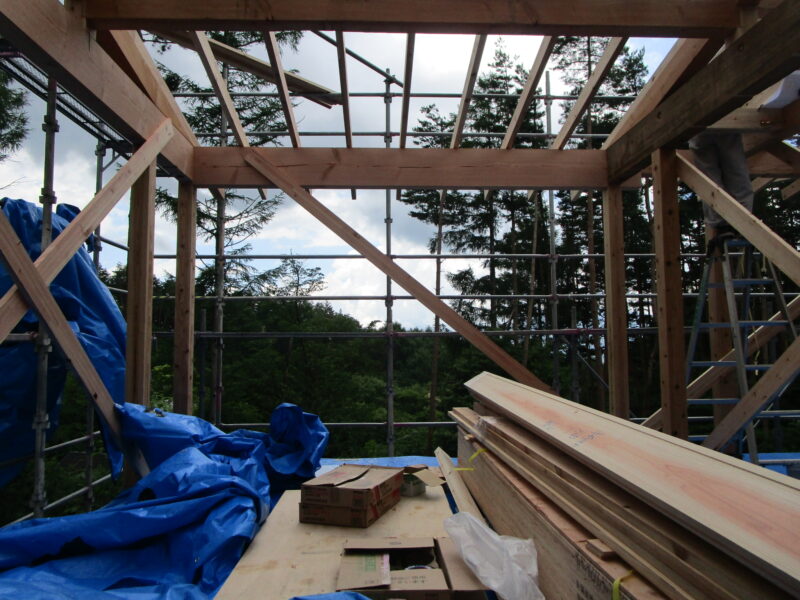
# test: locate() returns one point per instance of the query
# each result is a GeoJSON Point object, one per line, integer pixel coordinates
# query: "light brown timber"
{"type": "Point", "coordinates": [139, 299]}
{"type": "Point", "coordinates": [183, 351]}
{"type": "Point", "coordinates": [57, 254]}
{"type": "Point", "coordinates": [669, 290]}
{"type": "Point", "coordinates": [458, 488]}
{"type": "Point", "coordinates": [390, 268]}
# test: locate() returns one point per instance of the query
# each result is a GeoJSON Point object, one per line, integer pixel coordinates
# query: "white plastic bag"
{"type": "Point", "coordinates": [504, 564]}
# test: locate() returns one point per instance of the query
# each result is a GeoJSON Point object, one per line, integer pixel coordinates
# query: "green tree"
{"type": "Point", "coordinates": [13, 120]}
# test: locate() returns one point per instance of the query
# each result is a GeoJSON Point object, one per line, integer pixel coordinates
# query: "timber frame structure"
{"type": "Point", "coordinates": [728, 56]}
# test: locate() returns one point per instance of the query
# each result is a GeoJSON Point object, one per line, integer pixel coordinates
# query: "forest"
{"type": "Point", "coordinates": [330, 364]}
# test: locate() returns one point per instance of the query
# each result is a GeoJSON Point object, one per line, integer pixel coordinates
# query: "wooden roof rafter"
{"type": "Point", "coordinates": [283, 89]}
{"type": "Point", "coordinates": [345, 91]}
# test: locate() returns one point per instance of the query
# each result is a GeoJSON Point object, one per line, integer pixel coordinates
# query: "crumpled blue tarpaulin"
{"type": "Point", "coordinates": [179, 531]}
{"type": "Point", "coordinates": [93, 315]}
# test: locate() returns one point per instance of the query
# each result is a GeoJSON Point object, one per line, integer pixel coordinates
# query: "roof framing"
{"type": "Point", "coordinates": [649, 18]}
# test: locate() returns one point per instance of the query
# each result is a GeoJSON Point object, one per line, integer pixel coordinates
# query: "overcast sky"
{"type": "Point", "coordinates": [440, 66]}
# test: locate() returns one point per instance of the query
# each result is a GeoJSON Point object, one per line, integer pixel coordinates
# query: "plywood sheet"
{"type": "Point", "coordinates": [288, 558]}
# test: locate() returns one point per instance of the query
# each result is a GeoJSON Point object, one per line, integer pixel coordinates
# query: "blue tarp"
{"type": "Point", "coordinates": [179, 531]}
{"type": "Point", "coordinates": [93, 315]}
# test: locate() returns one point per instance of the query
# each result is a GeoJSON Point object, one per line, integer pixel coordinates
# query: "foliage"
{"type": "Point", "coordinates": [13, 120]}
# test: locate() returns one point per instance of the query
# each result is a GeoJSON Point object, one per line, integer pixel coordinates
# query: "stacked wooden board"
{"type": "Point", "coordinates": [688, 522]}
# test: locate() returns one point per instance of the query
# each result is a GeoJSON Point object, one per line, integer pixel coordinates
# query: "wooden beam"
{"type": "Point", "coordinates": [37, 294]}
{"type": "Point", "coordinates": [682, 59]}
{"type": "Point", "coordinates": [754, 62]}
{"type": "Point", "coordinates": [345, 91]}
{"type": "Point", "coordinates": [250, 64]}
{"type": "Point", "coordinates": [57, 254]}
{"type": "Point", "coordinates": [283, 89]}
{"type": "Point", "coordinates": [789, 125]}
{"type": "Point", "coordinates": [57, 41]}
{"type": "Point", "coordinates": [780, 374]}
{"type": "Point", "coordinates": [529, 90]}
{"type": "Point", "coordinates": [410, 168]}
{"type": "Point", "coordinates": [755, 341]}
{"type": "Point", "coordinates": [220, 87]}
{"type": "Point", "coordinates": [791, 190]}
{"type": "Point", "coordinates": [294, 189]}
{"type": "Point", "coordinates": [149, 78]}
{"type": "Point", "coordinates": [407, 72]}
{"type": "Point", "coordinates": [775, 248]}
{"type": "Point", "coordinates": [601, 69]}
{"type": "Point", "coordinates": [469, 86]}
{"type": "Point", "coordinates": [760, 183]}
{"type": "Point", "coordinates": [141, 235]}
{"type": "Point", "coordinates": [669, 294]}
{"type": "Point", "coordinates": [183, 342]}
{"type": "Point", "coordinates": [677, 478]}
{"type": "Point", "coordinates": [647, 18]}
{"type": "Point", "coordinates": [616, 304]}
{"type": "Point", "coordinates": [788, 154]}
{"type": "Point", "coordinates": [458, 488]}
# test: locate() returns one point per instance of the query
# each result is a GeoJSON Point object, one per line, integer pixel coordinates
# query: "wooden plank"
{"type": "Point", "coordinates": [458, 488]}
{"type": "Point", "coordinates": [58, 42]}
{"type": "Point", "coordinates": [469, 86]}
{"type": "Point", "coordinates": [183, 342]}
{"type": "Point", "coordinates": [566, 567]}
{"type": "Point", "coordinates": [410, 168]}
{"type": "Point", "coordinates": [791, 190]}
{"type": "Point", "coordinates": [750, 119]}
{"type": "Point", "coordinates": [782, 371]}
{"type": "Point", "coordinates": [616, 303]}
{"type": "Point", "coordinates": [788, 154]}
{"type": "Point", "coordinates": [782, 255]}
{"type": "Point", "coordinates": [635, 531]}
{"type": "Point", "coordinates": [669, 290]}
{"type": "Point", "coordinates": [754, 62]}
{"type": "Point", "coordinates": [528, 90]}
{"type": "Point", "coordinates": [407, 73]}
{"type": "Point", "coordinates": [682, 58]}
{"type": "Point", "coordinates": [649, 18]}
{"type": "Point", "coordinates": [250, 64]}
{"type": "Point", "coordinates": [601, 69]}
{"type": "Point", "coordinates": [57, 254]}
{"type": "Point", "coordinates": [139, 317]}
{"type": "Point", "coordinates": [755, 341]}
{"type": "Point", "coordinates": [149, 78]}
{"type": "Point", "coordinates": [388, 266]}
{"type": "Point", "coordinates": [679, 479]}
{"type": "Point", "coordinates": [283, 89]}
{"type": "Point", "coordinates": [288, 558]}
{"type": "Point", "coordinates": [220, 87]}
{"type": "Point", "coordinates": [38, 296]}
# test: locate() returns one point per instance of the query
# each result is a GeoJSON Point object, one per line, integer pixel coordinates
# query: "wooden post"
{"type": "Point", "coordinates": [616, 304]}
{"type": "Point", "coordinates": [140, 287]}
{"type": "Point", "coordinates": [669, 291]}
{"type": "Point", "coordinates": [183, 343]}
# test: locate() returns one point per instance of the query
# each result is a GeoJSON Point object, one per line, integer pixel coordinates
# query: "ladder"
{"type": "Point", "coordinates": [726, 251]}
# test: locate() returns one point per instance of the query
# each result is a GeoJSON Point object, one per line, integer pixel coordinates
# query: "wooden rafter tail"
{"type": "Point", "coordinates": [203, 48]}
{"type": "Point", "coordinates": [775, 248]}
{"type": "Point", "coordinates": [601, 69]}
{"type": "Point", "coordinates": [283, 89]}
{"type": "Point", "coordinates": [398, 274]}
{"type": "Point", "coordinates": [348, 131]}
{"type": "Point", "coordinates": [316, 93]}
{"type": "Point", "coordinates": [57, 254]}
{"type": "Point", "coordinates": [37, 294]}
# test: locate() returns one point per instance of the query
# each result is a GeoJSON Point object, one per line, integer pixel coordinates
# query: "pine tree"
{"type": "Point", "coordinates": [13, 120]}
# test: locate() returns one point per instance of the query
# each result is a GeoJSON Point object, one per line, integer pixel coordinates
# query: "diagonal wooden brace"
{"type": "Point", "coordinates": [398, 274]}
{"type": "Point", "coordinates": [33, 287]}
{"type": "Point", "coordinates": [57, 254]}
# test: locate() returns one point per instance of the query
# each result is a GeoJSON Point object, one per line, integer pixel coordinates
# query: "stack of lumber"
{"type": "Point", "coordinates": [608, 501]}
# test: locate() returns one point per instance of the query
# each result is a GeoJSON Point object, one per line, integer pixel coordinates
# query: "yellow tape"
{"type": "Point", "coordinates": [617, 583]}
{"type": "Point", "coordinates": [463, 469]}
{"type": "Point", "coordinates": [478, 451]}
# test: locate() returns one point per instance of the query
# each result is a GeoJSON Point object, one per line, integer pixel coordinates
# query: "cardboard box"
{"type": "Point", "coordinates": [350, 495]}
{"type": "Point", "coordinates": [417, 478]}
{"type": "Point", "coordinates": [379, 569]}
